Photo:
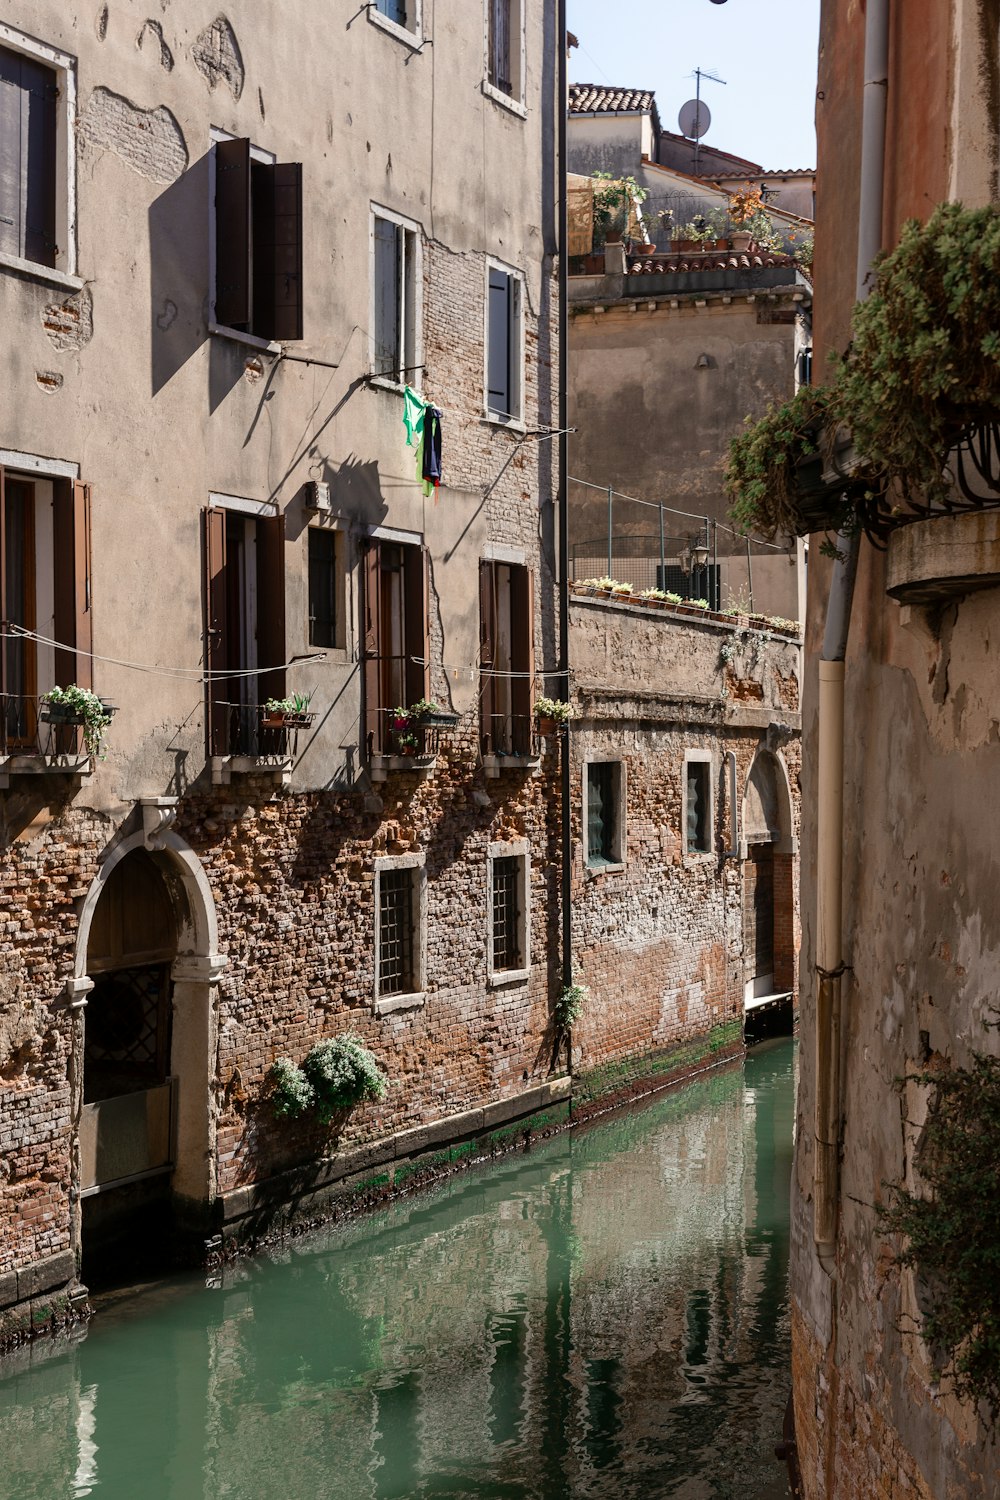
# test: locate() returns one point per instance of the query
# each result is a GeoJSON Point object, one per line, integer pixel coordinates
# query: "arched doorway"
{"type": "Point", "coordinates": [768, 898]}
{"type": "Point", "coordinates": [144, 994]}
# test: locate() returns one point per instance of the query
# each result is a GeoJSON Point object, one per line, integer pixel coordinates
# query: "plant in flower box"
{"type": "Point", "coordinates": [287, 713]}
{"type": "Point", "coordinates": [552, 713]}
{"type": "Point", "coordinates": [79, 706]}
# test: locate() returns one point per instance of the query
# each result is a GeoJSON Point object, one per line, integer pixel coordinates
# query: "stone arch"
{"type": "Point", "coordinates": [767, 803]}
{"type": "Point", "coordinates": [194, 974]}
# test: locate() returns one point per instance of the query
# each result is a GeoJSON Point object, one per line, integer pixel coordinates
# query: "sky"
{"type": "Point", "coordinates": [765, 50]}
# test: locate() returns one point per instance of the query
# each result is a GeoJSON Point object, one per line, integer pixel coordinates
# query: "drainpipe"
{"type": "Point", "coordinates": [563, 568]}
{"type": "Point", "coordinates": [830, 789]}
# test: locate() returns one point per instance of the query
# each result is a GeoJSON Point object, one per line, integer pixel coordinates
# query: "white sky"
{"type": "Point", "coordinates": [766, 51]}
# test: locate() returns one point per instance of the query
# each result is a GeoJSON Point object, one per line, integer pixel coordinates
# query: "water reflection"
{"type": "Point", "coordinates": [604, 1317]}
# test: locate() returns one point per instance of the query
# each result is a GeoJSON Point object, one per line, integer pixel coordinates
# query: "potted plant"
{"type": "Point", "coordinates": [603, 587]}
{"type": "Point", "coordinates": [425, 711]}
{"type": "Point", "coordinates": [655, 598]}
{"type": "Point", "coordinates": [79, 706]}
{"type": "Point", "coordinates": [621, 591]}
{"type": "Point", "coordinates": [614, 199]}
{"type": "Point", "coordinates": [287, 713]}
{"type": "Point", "coordinates": [407, 743]}
{"type": "Point", "coordinates": [551, 714]}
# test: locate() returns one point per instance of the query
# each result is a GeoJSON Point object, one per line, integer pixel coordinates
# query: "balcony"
{"type": "Point", "coordinates": [409, 746]}
{"type": "Point", "coordinates": [40, 739]}
{"type": "Point", "coordinates": [248, 740]}
{"type": "Point", "coordinates": [510, 744]}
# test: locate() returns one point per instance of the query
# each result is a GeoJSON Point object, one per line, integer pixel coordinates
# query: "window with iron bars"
{"type": "Point", "coordinates": [507, 945]}
{"type": "Point", "coordinates": [396, 968]}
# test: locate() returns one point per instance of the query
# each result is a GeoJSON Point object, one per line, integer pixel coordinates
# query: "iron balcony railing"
{"type": "Point", "coordinates": [32, 728]}
{"type": "Point", "coordinates": [251, 731]}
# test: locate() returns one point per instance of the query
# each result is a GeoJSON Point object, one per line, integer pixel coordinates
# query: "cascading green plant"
{"type": "Point", "coordinates": [93, 713]}
{"type": "Point", "coordinates": [570, 1005]}
{"type": "Point", "coordinates": [342, 1072]}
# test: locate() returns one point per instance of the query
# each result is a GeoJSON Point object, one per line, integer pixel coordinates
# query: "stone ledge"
{"type": "Point", "coordinates": [944, 557]}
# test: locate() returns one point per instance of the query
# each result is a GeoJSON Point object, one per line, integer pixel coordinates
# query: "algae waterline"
{"type": "Point", "coordinates": [606, 1315]}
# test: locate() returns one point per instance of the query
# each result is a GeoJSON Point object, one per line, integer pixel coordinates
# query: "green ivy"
{"type": "Point", "coordinates": [952, 1235]}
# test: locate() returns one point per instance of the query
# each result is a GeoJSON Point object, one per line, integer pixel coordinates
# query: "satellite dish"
{"type": "Point", "coordinates": [694, 119]}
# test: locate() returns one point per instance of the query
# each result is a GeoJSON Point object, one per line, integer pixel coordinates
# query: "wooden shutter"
{"type": "Point", "coordinates": [487, 652]}
{"type": "Point", "coordinates": [28, 95]}
{"type": "Point", "coordinates": [371, 660]}
{"type": "Point", "coordinates": [499, 339]}
{"type": "Point", "coordinates": [271, 606]}
{"type": "Point", "coordinates": [522, 632]}
{"type": "Point", "coordinates": [286, 296]}
{"type": "Point", "coordinates": [416, 623]}
{"type": "Point", "coordinates": [216, 632]}
{"type": "Point", "coordinates": [232, 233]}
{"type": "Point", "coordinates": [71, 571]}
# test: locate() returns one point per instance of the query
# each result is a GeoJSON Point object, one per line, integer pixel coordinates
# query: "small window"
{"type": "Point", "coordinates": [604, 813]}
{"type": "Point", "coordinates": [404, 14]}
{"type": "Point", "coordinates": [506, 630]}
{"type": "Point", "coordinates": [322, 587]}
{"type": "Point", "coordinates": [258, 242]}
{"type": "Point", "coordinates": [399, 934]}
{"type": "Point", "coordinates": [505, 49]}
{"type": "Point", "coordinates": [37, 155]}
{"type": "Point", "coordinates": [508, 893]}
{"type": "Point", "coordinates": [395, 294]}
{"type": "Point", "coordinates": [698, 807]}
{"type": "Point", "coordinates": [503, 345]}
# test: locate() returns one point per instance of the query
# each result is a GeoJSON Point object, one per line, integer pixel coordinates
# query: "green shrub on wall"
{"type": "Point", "coordinates": [335, 1075]}
{"type": "Point", "coordinates": [951, 1232]}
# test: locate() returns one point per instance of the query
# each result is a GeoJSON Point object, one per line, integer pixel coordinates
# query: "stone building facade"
{"type": "Point", "coordinates": [873, 1410]}
{"type": "Point", "coordinates": [214, 287]}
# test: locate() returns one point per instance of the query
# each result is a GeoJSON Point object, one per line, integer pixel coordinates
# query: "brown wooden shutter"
{"type": "Point", "coordinates": [216, 634]}
{"type": "Point", "coordinates": [487, 652]}
{"type": "Point", "coordinates": [286, 297]}
{"type": "Point", "coordinates": [522, 630]}
{"type": "Point", "coordinates": [371, 606]}
{"type": "Point", "coordinates": [416, 623]}
{"type": "Point", "coordinates": [71, 575]}
{"type": "Point", "coordinates": [28, 94]}
{"type": "Point", "coordinates": [271, 606]}
{"type": "Point", "coordinates": [232, 233]}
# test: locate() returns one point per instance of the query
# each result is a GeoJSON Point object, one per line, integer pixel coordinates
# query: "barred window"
{"type": "Point", "coordinates": [698, 811]}
{"type": "Point", "coordinates": [506, 914]}
{"type": "Point", "coordinates": [396, 935]}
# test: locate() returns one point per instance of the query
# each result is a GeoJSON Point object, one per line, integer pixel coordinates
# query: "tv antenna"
{"type": "Point", "coordinates": [695, 117]}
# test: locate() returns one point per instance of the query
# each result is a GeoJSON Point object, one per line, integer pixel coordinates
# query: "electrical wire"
{"type": "Point", "coordinates": [195, 675]}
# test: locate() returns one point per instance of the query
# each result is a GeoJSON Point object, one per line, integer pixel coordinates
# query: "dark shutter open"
{"type": "Point", "coordinates": [286, 254]}
{"type": "Point", "coordinates": [498, 336]}
{"type": "Point", "coordinates": [416, 623]}
{"type": "Point", "coordinates": [71, 573]}
{"type": "Point", "coordinates": [522, 630]}
{"type": "Point", "coordinates": [271, 606]}
{"type": "Point", "coordinates": [487, 652]}
{"type": "Point", "coordinates": [232, 233]}
{"type": "Point", "coordinates": [28, 95]}
{"type": "Point", "coordinates": [371, 663]}
{"type": "Point", "coordinates": [216, 632]}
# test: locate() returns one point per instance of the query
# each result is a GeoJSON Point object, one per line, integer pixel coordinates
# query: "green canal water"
{"type": "Point", "coordinates": [604, 1316]}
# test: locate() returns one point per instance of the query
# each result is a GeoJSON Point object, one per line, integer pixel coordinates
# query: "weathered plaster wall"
{"type": "Point", "coordinates": [921, 924]}
{"type": "Point", "coordinates": [660, 941]}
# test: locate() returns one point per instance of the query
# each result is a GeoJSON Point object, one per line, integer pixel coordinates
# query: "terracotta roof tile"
{"type": "Point", "coordinates": [672, 264]}
{"type": "Point", "coordinates": [595, 98]}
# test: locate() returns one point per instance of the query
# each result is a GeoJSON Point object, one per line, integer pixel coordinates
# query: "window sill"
{"type": "Point", "coordinates": [386, 383]}
{"type": "Point", "coordinates": [613, 867]}
{"type": "Point", "coordinates": [414, 765]}
{"type": "Point", "coordinates": [500, 977]}
{"type": "Point", "coordinates": [506, 100]}
{"type": "Point", "coordinates": [393, 1003]}
{"type": "Point", "coordinates": [38, 272]}
{"type": "Point", "coordinates": [495, 765]}
{"type": "Point", "coordinates": [509, 424]}
{"type": "Point", "coordinates": [412, 39]}
{"type": "Point", "coordinates": [266, 346]}
{"type": "Point", "coordinates": [44, 765]}
{"type": "Point", "coordinates": [225, 767]}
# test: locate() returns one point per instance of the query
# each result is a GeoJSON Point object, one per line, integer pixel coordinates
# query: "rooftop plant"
{"type": "Point", "coordinates": [554, 708]}
{"type": "Point", "coordinates": [614, 198]}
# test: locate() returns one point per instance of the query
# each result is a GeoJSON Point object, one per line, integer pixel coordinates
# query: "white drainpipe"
{"type": "Point", "coordinates": [830, 775]}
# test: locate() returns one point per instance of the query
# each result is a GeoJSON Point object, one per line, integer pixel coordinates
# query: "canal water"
{"type": "Point", "coordinates": [603, 1316]}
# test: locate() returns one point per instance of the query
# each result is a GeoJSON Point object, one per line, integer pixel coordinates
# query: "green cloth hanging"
{"type": "Point", "coordinates": [414, 410]}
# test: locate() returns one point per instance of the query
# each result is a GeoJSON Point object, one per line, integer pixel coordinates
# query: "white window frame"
{"type": "Point", "coordinates": [414, 1000]}
{"type": "Point", "coordinates": [516, 418]}
{"type": "Point", "coordinates": [698, 757]}
{"type": "Point", "coordinates": [620, 842]}
{"type": "Point", "coordinates": [268, 159]}
{"type": "Point", "coordinates": [514, 102]}
{"type": "Point", "coordinates": [410, 36]}
{"type": "Point", "coordinates": [520, 850]}
{"type": "Point", "coordinates": [64, 272]}
{"type": "Point", "coordinates": [413, 376]}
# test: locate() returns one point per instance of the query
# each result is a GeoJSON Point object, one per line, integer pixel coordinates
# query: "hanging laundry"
{"type": "Point", "coordinates": [432, 449]}
{"type": "Point", "coordinates": [413, 416]}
